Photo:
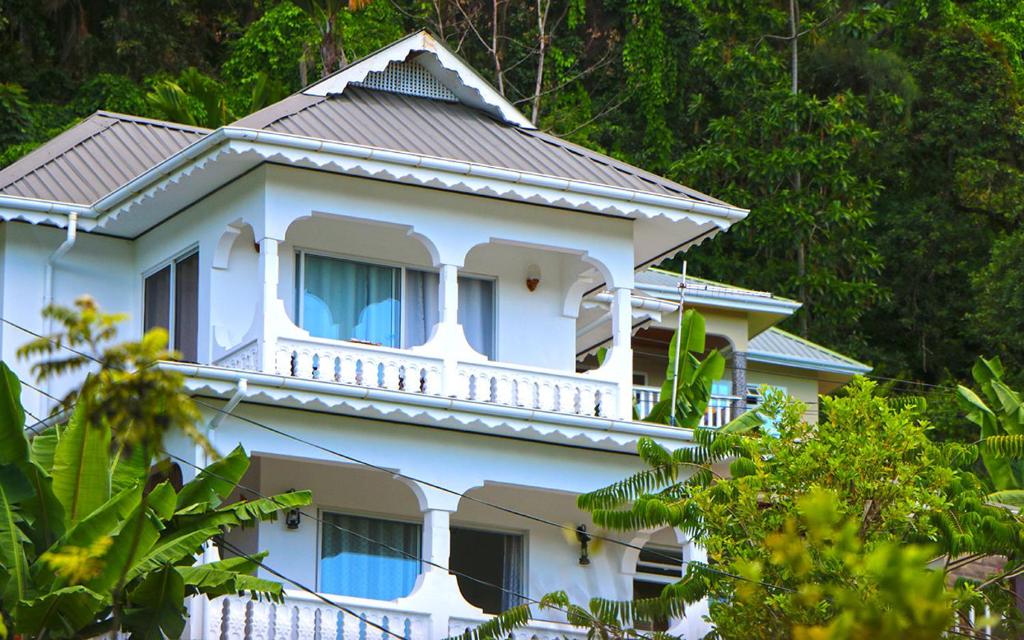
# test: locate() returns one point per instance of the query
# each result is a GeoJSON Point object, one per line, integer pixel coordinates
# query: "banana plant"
{"type": "Point", "coordinates": [94, 541]}
{"type": "Point", "coordinates": [1000, 415]}
{"type": "Point", "coordinates": [693, 379]}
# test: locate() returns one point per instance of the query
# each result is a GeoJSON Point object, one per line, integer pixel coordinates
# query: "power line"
{"type": "Point", "coordinates": [233, 549]}
{"type": "Point", "coordinates": [433, 485]}
{"type": "Point", "coordinates": [374, 541]}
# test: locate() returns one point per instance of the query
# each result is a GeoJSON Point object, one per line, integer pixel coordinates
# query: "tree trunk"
{"type": "Point", "coordinates": [542, 42]}
{"type": "Point", "coordinates": [499, 76]}
{"type": "Point", "coordinates": [801, 248]}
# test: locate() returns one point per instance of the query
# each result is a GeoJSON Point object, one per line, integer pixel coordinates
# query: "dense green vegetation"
{"type": "Point", "coordinates": [877, 143]}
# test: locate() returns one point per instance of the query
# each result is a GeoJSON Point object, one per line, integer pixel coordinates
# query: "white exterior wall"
{"type": "Point", "coordinates": [96, 265]}
{"type": "Point", "coordinates": [534, 478]}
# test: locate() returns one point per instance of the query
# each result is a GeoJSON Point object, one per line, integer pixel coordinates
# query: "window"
{"type": "Point", "coordinates": [491, 558]}
{"type": "Point", "coordinates": [386, 305]}
{"type": "Point", "coordinates": [655, 568]}
{"type": "Point", "coordinates": [352, 565]}
{"type": "Point", "coordinates": [171, 301]}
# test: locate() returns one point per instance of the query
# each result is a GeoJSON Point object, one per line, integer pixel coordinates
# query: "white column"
{"type": "Point", "coordinates": [437, 591]}
{"type": "Point", "coordinates": [270, 268]}
{"type": "Point", "coordinates": [621, 356]}
{"type": "Point", "coordinates": [448, 294]}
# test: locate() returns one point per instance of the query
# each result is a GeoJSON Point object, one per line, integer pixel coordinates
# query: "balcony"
{"type": "Point", "coordinates": [305, 617]}
{"type": "Point", "coordinates": [405, 370]}
{"type": "Point", "coordinates": [718, 414]}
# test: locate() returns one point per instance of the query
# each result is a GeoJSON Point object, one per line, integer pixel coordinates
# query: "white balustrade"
{"type": "Point", "coordinates": [303, 617]}
{"type": "Point", "coordinates": [245, 357]}
{"type": "Point", "coordinates": [402, 370]}
{"type": "Point", "coordinates": [354, 363]}
{"type": "Point", "coordinates": [535, 630]}
{"type": "Point", "coordinates": [533, 388]}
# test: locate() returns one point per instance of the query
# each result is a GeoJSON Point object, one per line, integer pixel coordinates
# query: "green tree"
{"type": "Point", "coordinates": [95, 536]}
{"type": "Point", "coordinates": [850, 528]}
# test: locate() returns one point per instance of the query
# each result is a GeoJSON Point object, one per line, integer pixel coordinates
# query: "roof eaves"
{"type": "Point", "coordinates": [763, 357]}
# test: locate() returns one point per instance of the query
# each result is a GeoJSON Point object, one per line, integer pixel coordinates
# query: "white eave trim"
{"type": "Point", "coordinates": [738, 301]}
{"type": "Point", "coordinates": [385, 164]}
{"type": "Point", "coordinates": [433, 411]}
{"type": "Point", "coordinates": [467, 85]}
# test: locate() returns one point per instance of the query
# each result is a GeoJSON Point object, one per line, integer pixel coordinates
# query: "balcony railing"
{"type": "Point", "coordinates": [304, 617]}
{"type": "Point", "coordinates": [412, 372]}
{"type": "Point", "coordinates": [719, 412]}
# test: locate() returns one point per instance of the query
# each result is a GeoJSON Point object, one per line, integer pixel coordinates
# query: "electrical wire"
{"type": "Point", "coordinates": [280, 576]}
{"type": "Point", "coordinates": [390, 472]}
{"type": "Point", "coordinates": [382, 545]}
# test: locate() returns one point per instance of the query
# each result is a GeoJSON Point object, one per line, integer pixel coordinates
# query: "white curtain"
{"type": "Point", "coordinates": [512, 572]}
{"type": "Point", "coordinates": [476, 309]}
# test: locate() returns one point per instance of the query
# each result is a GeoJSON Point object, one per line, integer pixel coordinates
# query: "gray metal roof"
{"type": "Point", "coordinates": [662, 278]}
{"type": "Point", "coordinates": [95, 157]}
{"type": "Point", "coordinates": [776, 346]}
{"type": "Point", "coordinates": [453, 131]}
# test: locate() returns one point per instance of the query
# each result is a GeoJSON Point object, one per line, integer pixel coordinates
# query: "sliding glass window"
{"type": "Point", "coordinates": [171, 301]}
{"type": "Point", "coordinates": [392, 306]}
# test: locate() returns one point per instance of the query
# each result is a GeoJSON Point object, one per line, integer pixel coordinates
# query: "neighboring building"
{"type": "Point", "coordinates": [396, 267]}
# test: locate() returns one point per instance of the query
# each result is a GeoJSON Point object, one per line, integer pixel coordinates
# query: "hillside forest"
{"type": "Point", "coordinates": [877, 144]}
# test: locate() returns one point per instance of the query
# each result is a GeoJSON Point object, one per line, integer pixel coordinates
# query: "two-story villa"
{"type": "Point", "coordinates": [395, 284]}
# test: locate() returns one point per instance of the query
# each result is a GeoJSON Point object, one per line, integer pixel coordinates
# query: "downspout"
{"type": "Point", "coordinates": [58, 253]}
{"type": "Point", "coordinates": [209, 553]}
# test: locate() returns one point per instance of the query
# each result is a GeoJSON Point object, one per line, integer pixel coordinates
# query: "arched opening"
{"type": "Point", "coordinates": [353, 280]}
{"type": "Point", "coordinates": [658, 563]}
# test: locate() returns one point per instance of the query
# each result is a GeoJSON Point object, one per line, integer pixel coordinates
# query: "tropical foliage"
{"type": "Point", "coordinates": [999, 414]}
{"type": "Point", "coordinates": [97, 532]}
{"type": "Point", "coordinates": [850, 528]}
{"type": "Point", "coordinates": [878, 144]}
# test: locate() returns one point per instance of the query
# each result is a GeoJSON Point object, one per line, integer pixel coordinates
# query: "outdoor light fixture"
{"type": "Point", "coordinates": [584, 538]}
{"type": "Point", "coordinates": [292, 516]}
{"type": "Point", "coordinates": [532, 277]}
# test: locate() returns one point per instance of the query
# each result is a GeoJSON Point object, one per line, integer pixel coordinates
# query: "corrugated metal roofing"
{"type": "Point", "coordinates": [776, 342]}
{"type": "Point", "coordinates": [453, 131]}
{"type": "Point", "coordinates": [662, 278]}
{"type": "Point", "coordinates": [95, 157]}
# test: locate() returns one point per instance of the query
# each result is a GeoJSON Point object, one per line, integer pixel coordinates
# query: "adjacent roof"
{"type": "Point", "coordinates": [779, 347]}
{"type": "Point", "coordinates": [94, 157]}
{"type": "Point", "coordinates": [451, 130]}
{"type": "Point", "coordinates": [701, 291]}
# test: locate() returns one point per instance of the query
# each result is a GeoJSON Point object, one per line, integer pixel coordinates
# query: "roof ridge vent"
{"type": "Point", "coordinates": [408, 78]}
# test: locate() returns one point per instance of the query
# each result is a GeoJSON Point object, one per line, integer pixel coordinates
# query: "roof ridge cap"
{"type": "Point", "coordinates": [128, 117]}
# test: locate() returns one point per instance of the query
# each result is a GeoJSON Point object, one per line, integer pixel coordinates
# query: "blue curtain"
{"type": "Point", "coordinates": [353, 566]}
{"type": "Point", "coordinates": [345, 300]}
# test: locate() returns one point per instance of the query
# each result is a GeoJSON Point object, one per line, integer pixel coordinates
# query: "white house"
{"type": "Point", "coordinates": [396, 285]}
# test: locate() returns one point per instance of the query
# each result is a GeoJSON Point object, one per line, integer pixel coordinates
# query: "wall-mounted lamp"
{"type": "Point", "coordinates": [584, 538]}
{"type": "Point", "coordinates": [292, 516]}
{"type": "Point", "coordinates": [532, 277]}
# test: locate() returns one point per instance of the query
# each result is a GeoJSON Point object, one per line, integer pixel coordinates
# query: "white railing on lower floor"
{"type": "Point", "coordinates": [402, 370]}
{"type": "Point", "coordinates": [718, 414]}
{"type": "Point", "coordinates": [303, 617]}
{"type": "Point", "coordinates": [535, 630]}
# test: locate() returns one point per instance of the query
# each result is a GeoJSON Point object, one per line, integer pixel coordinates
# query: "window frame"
{"type": "Point", "coordinates": [172, 263]}
{"type": "Point", "coordinates": [402, 267]}
{"type": "Point", "coordinates": [523, 534]}
{"type": "Point", "coordinates": [321, 522]}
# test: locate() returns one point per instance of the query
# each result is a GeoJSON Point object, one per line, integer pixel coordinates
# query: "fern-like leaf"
{"type": "Point", "coordinates": [1009, 446]}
